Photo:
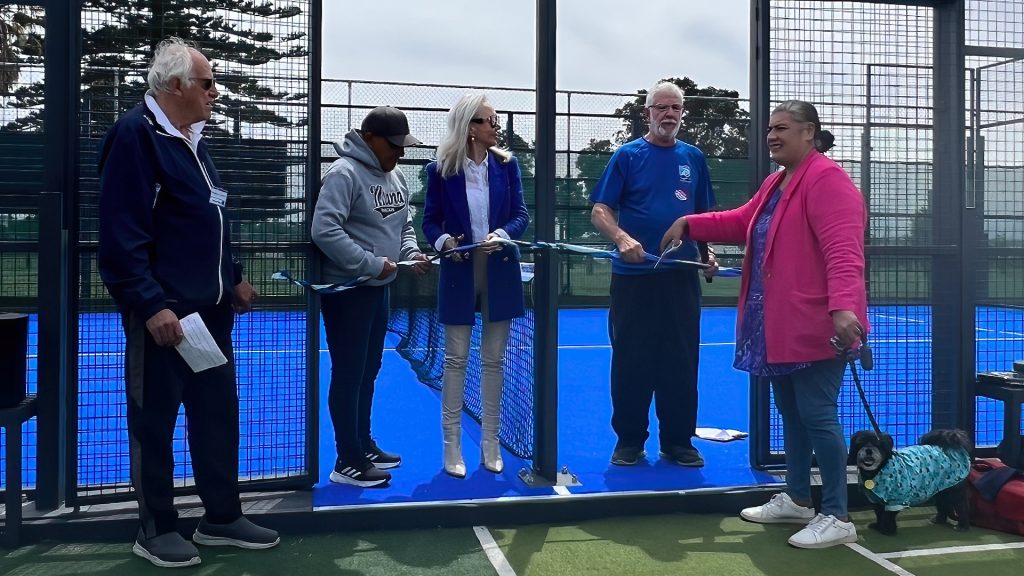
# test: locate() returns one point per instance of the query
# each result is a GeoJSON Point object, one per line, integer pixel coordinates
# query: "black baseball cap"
{"type": "Point", "coordinates": [390, 123]}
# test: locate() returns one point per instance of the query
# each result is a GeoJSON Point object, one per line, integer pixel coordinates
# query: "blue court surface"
{"type": "Point", "coordinates": [406, 417]}
{"type": "Point", "coordinates": [407, 413]}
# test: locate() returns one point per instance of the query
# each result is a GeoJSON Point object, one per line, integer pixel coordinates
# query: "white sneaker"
{"type": "Point", "coordinates": [824, 532]}
{"type": "Point", "coordinates": [779, 510]}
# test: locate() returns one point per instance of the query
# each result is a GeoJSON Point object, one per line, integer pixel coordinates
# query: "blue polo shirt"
{"type": "Point", "coordinates": [650, 186]}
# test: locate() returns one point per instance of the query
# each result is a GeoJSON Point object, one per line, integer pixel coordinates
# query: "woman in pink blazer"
{"type": "Point", "coordinates": [803, 283]}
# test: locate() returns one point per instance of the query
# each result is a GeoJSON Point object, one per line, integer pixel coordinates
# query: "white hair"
{"type": "Point", "coordinates": [171, 59]}
{"type": "Point", "coordinates": [660, 87]}
{"type": "Point", "coordinates": [452, 151]}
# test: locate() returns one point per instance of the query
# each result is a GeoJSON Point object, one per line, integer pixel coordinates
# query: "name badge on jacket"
{"type": "Point", "coordinates": [218, 196]}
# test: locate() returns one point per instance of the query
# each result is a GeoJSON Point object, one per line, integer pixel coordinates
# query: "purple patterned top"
{"type": "Point", "coordinates": [751, 350]}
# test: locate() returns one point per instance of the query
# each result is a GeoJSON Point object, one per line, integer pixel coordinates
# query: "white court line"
{"type": "Point", "coordinates": [878, 559]}
{"type": "Point", "coordinates": [604, 346]}
{"type": "Point", "coordinates": [902, 319]}
{"type": "Point", "coordinates": [244, 352]}
{"type": "Point", "coordinates": [898, 318]}
{"type": "Point", "coordinates": [1001, 332]}
{"type": "Point", "coordinates": [952, 550]}
{"type": "Point", "coordinates": [494, 553]}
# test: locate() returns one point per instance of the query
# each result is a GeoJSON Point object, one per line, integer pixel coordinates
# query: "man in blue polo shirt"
{"type": "Point", "coordinates": [654, 317]}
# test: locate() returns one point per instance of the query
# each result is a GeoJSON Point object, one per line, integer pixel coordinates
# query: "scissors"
{"type": "Point", "coordinates": [675, 245]}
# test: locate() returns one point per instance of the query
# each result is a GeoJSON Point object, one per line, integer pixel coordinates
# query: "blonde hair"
{"type": "Point", "coordinates": [452, 151]}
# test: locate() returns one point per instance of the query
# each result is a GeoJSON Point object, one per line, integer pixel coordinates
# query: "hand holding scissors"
{"type": "Point", "coordinates": [670, 248]}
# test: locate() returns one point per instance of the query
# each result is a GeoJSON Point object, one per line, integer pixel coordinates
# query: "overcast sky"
{"type": "Point", "coordinates": [603, 45]}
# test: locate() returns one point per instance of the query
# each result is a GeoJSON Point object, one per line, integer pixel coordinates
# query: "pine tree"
{"type": "Point", "coordinates": [240, 37]}
{"type": "Point", "coordinates": [21, 48]}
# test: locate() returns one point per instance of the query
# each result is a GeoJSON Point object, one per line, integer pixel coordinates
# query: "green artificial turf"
{"type": "Point", "coordinates": [674, 544]}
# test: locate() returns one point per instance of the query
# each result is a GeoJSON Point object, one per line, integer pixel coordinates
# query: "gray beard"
{"type": "Point", "coordinates": [661, 132]}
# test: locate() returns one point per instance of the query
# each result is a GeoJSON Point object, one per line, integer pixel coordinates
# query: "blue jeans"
{"type": "Point", "coordinates": [808, 402]}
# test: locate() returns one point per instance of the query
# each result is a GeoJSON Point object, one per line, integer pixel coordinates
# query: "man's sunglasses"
{"type": "Point", "coordinates": [494, 121]}
{"type": "Point", "coordinates": [205, 83]}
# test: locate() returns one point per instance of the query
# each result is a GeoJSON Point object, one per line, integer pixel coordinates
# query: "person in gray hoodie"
{"type": "Point", "coordinates": [363, 226]}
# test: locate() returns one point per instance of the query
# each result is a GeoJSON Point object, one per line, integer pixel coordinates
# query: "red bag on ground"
{"type": "Point", "coordinates": [996, 496]}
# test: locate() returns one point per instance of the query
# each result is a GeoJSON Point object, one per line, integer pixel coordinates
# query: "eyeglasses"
{"type": "Point", "coordinates": [494, 121]}
{"type": "Point", "coordinates": [663, 107]}
{"type": "Point", "coordinates": [205, 83]}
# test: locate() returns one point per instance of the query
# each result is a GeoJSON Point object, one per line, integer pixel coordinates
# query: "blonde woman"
{"type": "Point", "coordinates": [475, 194]}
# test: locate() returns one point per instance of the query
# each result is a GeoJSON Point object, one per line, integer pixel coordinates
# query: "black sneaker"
{"type": "Point", "coordinates": [168, 550]}
{"type": "Point", "coordinates": [627, 455]}
{"type": "Point", "coordinates": [683, 455]}
{"type": "Point", "coordinates": [241, 533]}
{"type": "Point", "coordinates": [366, 475]}
{"type": "Point", "coordinates": [381, 459]}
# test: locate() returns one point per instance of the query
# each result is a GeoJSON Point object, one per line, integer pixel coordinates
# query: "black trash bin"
{"type": "Point", "coordinates": [13, 358]}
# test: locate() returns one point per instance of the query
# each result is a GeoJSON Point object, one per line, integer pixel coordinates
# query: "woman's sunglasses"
{"type": "Point", "coordinates": [494, 121]}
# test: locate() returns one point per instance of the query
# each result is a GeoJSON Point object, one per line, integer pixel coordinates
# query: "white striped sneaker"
{"type": "Point", "coordinates": [381, 459]}
{"type": "Point", "coordinates": [365, 475]}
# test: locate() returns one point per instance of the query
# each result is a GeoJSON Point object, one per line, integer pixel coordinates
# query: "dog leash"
{"type": "Point", "coordinates": [867, 362]}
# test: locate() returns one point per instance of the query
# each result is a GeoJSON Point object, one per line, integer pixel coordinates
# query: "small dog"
{"type": "Point", "coordinates": [895, 479]}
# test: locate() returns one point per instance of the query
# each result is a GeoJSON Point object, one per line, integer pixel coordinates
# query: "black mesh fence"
{"type": "Point", "coordinates": [995, 188]}
{"type": "Point", "coordinates": [421, 343]}
{"type": "Point", "coordinates": [22, 33]}
{"type": "Point", "coordinates": [257, 137]}
{"type": "Point", "coordinates": [589, 126]}
{"type": "Point", "coordinates": [867, 69]}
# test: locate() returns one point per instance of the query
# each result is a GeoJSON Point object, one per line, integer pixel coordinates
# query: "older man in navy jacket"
{"type": "Point", "coordinates": [164, 253]}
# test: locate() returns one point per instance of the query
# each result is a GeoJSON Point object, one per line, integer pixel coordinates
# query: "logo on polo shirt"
{"type": "Point", "coordinates": [684, 173]}
{"type": "Point", "coordinates": [681, 194]}
{"type": "Point", "coordinates": [386, 203]}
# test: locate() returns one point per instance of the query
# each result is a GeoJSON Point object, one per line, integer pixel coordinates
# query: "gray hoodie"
{"type": "Point", "coordinates": [362, 216]}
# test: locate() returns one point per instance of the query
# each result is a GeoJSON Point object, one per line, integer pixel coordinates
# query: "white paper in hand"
{"type": "Point", "coordinates": [198, 347]}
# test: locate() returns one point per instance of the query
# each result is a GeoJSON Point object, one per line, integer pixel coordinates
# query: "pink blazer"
{"type": "Point", "coordinates": [814, 256]}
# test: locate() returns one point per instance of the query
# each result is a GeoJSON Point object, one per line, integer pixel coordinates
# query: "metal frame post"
{"type": "Point", "coordinates": [312, 261]}
{"type": "Point", "coordinates": [545, 457]}
{"type": "Point", "coordinates": [760, 110]}
{"type": "Point", "coordinates": [58, 325]}
{"type": "Point", "coordinates": [953, 340]}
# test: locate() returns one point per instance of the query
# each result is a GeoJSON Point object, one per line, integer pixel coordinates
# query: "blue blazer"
{"type": "Point", "coordinates": [446, 211]}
